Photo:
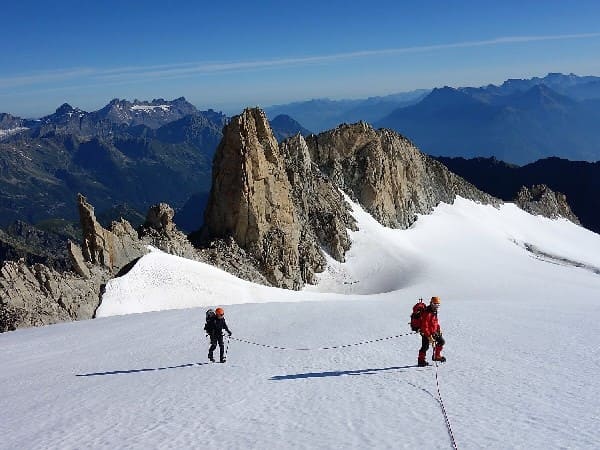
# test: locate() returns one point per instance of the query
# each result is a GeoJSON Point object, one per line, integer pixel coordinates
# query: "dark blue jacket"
{"type": "Point", "coordinates": [215, 326]}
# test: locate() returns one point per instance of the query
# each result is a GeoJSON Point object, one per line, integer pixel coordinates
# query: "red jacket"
{"type": "Point", "coordinates": [429, 322]}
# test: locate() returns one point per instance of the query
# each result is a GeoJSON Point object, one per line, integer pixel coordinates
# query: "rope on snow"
{"type": "Point", "coordinates": [437, 382]}
{"type": "Point", "coordinates": [448, 426]}
{"type": "Point", "coordinates": [334, 347]}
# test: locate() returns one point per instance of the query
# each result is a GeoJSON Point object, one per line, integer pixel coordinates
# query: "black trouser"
{"type": "Point", "coordinates": [214, 339]}
{"type": "Point", "coordinates": [439, 342]}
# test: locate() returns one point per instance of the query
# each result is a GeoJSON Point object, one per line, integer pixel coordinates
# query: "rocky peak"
{"type": "Point", "coordinates": [284, 126]}
{"type": "Point", "coordinates": [540, 200]}
{"type": "Point", "coordinates": [387, 174]}
{"type": "Point", "coordinates": [112, 248]}
{"type": "Point", "coordinates": [160, 217]}
{"type": "Point", "coordinates": [8, 121]}
{"type": "Point", "coordinates": [250, 198]}
{"type": "Point", "coordinates": [152, 114]}
{"type": "Point", "coordinates": [64, 109]}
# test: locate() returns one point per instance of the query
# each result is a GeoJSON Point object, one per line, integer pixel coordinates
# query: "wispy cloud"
{"type": "Point", "coordinates": [122, 75]}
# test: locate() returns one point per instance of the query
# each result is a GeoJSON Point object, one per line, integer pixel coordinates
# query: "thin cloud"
{"type": "Point", "coordinates": [182, 70]}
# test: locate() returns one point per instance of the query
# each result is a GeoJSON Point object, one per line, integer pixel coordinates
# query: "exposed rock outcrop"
{"type": "Point", "coordinates": [387, 174]}
{"type": "Point", "coordinates": [323, 212]}
{"type": "Point", "coordinates": [270, 201]}
{"type": "Point", "coordinates": [273, 212]}
{"type": "Point", "coordinates": [543, 201]}
{"type": "Point", "coordinates": [38, 295]}
{"type": "Point", "coordinates": [251, 198]}
{"type": "Point", "coordinates": [34, 294]}
{"type": "Point", "coordinates": [160, 231]}
{"type": "Point", "coordinates": [112, 248]}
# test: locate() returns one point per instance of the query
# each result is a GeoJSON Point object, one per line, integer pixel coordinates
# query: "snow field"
{"type": "Point", "coordinates": [521, 332]}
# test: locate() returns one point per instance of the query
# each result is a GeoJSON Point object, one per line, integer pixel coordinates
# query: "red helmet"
{"type": "Point", "coordinates": [435, 301]}
{"type": "Point", "coordinates": [219, 312]}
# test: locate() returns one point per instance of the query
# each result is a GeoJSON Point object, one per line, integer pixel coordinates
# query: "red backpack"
{"type": "Point", "coordinates": [415, 317]}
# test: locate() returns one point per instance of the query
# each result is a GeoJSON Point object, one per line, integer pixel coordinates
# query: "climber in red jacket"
{"type": "Point", "coordinates": [431, 333]}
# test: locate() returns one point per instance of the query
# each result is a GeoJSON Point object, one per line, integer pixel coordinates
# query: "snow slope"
{"type": "Point", "coordinates": [522, 344]}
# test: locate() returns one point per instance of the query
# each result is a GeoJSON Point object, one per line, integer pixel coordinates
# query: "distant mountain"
{"type": "Point", "coordinates": [519, 127]}
{"type": "Point", "coordinates": [11, 125]}
{"type": "Point", "coordinates": [578, 180]}
{"type": "Point", "coordinates": [152, 114]}
{"type": "Point", "coordinates": [43, 168]}
{"type": "Point", "coordinates": [284, 126]}
{"type": "Point", "coordinates": [115, 117]}
{"type": "Point", "coordinates": [323, 114]}
{"type": "Point", "coordinates": [46, 244]}
{"type": "Point", "coordinates": [8, 121]}
{"type": "Point", "coordinates": [190, 216]}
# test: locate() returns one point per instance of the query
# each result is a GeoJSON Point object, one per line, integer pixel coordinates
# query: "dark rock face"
{"type": "Point", "coordinates": [34, 245]}
{"type": "Point", "coordinates": [387, 174]}
{"type": "Point", "coordinates": [540, 200]}
{"type": "Point", "coordinates": [8, 121]}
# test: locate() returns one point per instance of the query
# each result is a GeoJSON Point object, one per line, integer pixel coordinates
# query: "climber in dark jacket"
{"type": "Point", "coordinates": [214, 328]}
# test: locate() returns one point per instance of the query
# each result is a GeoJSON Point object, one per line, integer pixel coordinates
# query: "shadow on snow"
{"type": "Point", "coordinates": [119, 372]}
{"type": "Point", "coordinates": [336, 373]}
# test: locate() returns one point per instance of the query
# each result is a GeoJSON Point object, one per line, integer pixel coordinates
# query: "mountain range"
{"type": "Point", "coordinates": [129, 155]}
{"type": "Point", "coordinates": [519, 121]}
{"type": "Point", "coordinates": [323, 114]}
{"type": "Point", "coordinates": [126, 153]}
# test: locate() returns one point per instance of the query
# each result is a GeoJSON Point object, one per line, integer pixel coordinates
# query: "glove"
{"type": "Point", "coordinates": [229, 333]}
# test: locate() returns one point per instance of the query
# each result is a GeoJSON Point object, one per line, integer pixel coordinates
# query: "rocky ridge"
{"type": "Point", "coordinates": [540, 200]}
{"type": "Point", "coordinates": [283, 204]}
{"type": "Point", "coordinates": [253, 202]}
{"type": "Point", "coordinates": [387, 174]}
{"type": "Point", "coordinates": [35, 294]}
{"type": "Point", "coordinates": [274, 213]}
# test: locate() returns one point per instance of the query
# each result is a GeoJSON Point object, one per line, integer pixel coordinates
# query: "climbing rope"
{"type": "Point", "coordinates": [322, 348]}
{"type": "Point", "coordinates": [437, 382]}
{"type": "Point", "coordinates": [448, 426]}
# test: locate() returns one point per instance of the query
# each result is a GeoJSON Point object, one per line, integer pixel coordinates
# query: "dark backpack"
{"type": "Point", "coordinates": [210, 317]}
{"type": "Point", "coordinates": [415, 317]}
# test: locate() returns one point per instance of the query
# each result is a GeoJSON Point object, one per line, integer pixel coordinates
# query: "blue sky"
{"type": "Point", "coordinates": [227, 55]}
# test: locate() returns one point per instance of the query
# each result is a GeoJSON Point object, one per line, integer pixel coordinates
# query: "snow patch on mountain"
{"type": "Point", "coordinates": [11, 131]}
{"type": "Point", "coordinates": [150, 108]}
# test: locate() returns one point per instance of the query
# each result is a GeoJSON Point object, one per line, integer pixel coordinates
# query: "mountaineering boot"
{"type": "Point", "coordinates": [421, 359]}
{"type": "Point", "coordinates": [437, 355]}
{"type": "Point", "coordinates": [210, 357]}
{"type": "Point", "coordinates": [223, 359]}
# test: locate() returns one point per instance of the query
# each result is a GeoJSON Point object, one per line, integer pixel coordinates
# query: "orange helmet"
{"type": "Point", "coordinates": [219, 312]}
{"type": "Point", "coordinates": [435, 301]}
